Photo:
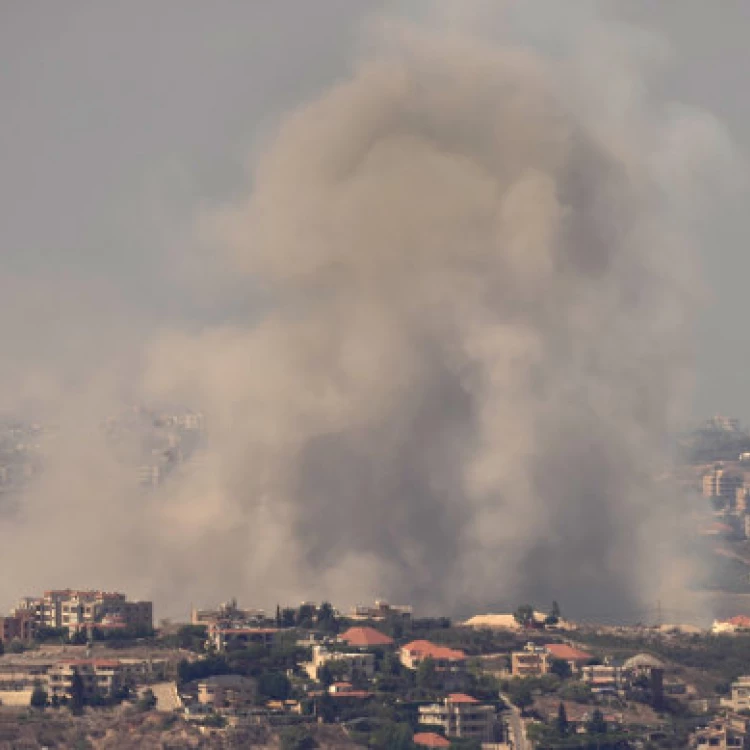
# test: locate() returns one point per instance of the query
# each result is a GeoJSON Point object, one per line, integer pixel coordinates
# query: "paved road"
{"type": "Point", "coordinates": [516, 726]}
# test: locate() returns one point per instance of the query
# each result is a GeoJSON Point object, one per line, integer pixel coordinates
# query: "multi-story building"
{"type": "Point", "coordinates": [601, 678]}
{"type": "Point", "coordinates": [222, 638]}
{"type": "Point", "coordinates": [72, 609]}
{"type": "Point", "coordinates": [533, 661]}
{"type": "Point", "coordinates": [227, 614]}
{"type": "Point", "coordinates": [227, 693]}
{"type": "Point", "coordinates": [719, 482]}
{"type": "Point", "coordinates": [722, 734]}
{"type": "Point", "coordinates": [461, 716]}
{"type": "Point", "coordinates": [19, 626]}
{"type": "Point", "coordinates": [102, 676]}
{"type": "Point", "coordinates": [445, 659]}
{"type": "Point", "coordinates": [739, 699]}
{"type": "Point", "coordinates": [381, 611]}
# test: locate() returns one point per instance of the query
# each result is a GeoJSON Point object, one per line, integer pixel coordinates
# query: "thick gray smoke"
{"type": "Point", "coordinates": [473, 352]}
{"type": "Point", "coordinates": [462, 391]}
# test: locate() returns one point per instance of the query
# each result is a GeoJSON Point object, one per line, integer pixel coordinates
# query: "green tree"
{"type": "Point", "coordinates": [554, 615]}
{"type": "Point", "coordinates": [297, 738]}
{"type": "Point", "coordinates": [524, 615]}
{"type": "Point", "coordinates": [597, 724]}
{"type": "Point", "coordinates": [325, 618]}
{"type": "Point", "coordinates": [426, 674]}
{"type": "Point", "coordinates": [561, 668]}
{"type": "Point", "coordinates": [392, 736]}
{"type": "Point", "coordinates": [147, 701]}
{"type": "Point", "coordinates": [39, 697]}
{"type": "Point", "coordinates": [326, 708]}
{"type": "Point", "coordinates": [519, 692]}
{"type": "Point", "coordinates": [305, 615]}
{"type": "Point", "coordinates": [16, 646]}
{"type": "Point", "coordinates": [561, 725]}
{"type": "Point", "coordinates": [389, 664]}
{"type": "Point", "coordinates": [278, 616]}
{"type": "Point", "coordinates": [325, 676]}
{"type": "Point", "coordinates": [274, 686]}
{"type": "Point", "coordinates": [77, 693]}
{"type": "Point", "coordinates": [579, 692]}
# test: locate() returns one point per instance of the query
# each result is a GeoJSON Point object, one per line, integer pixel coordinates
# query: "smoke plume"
{"type": "Point", "coordinates": [472, 349]}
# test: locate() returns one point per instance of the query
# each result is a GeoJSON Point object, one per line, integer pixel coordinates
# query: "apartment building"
{"type": "Point", "coordinates": [17, 627]}
{"type": "Point", "coordinates": [102, 676]}
{"type": "Point", "coordinates": [739, 699]}
{"type": "Point", "coordinates": [719, 482]}
{"type": "Point", "coordinates": [533, 661]}
{"type": "Point", "coordinates": [722, 734]}
{"type": "Point", "coordinates": [602, 678]}
{"type": "Point", "coordinates": [382, 610]}
{"type": "Point", "coordinates": [461, 716]}
{"type": "Point", "coordinates": [70, 608]}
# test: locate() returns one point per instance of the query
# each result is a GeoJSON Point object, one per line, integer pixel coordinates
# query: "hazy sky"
{"type": "Point", "coordinates": [121, 120]}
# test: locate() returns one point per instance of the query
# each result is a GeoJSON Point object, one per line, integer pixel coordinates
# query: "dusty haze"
{"type": "Point", "coordinates": [476, 305]}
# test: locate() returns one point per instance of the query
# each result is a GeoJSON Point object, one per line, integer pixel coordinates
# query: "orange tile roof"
{"type": "Point", "coordinates": [365, 636]}
{"type": "Point", "coordinates": [566, 653]}
{"type": "Point", "coordinates": [425, 649]}
{"type": "Point", "coordinates": [430, 739]}
{"type": "Point", "coordinates": [739, 621]}
{"type": "Point", "coordinates": [461, 698]}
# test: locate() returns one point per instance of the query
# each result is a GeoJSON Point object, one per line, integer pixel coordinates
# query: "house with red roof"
{"type": "Point", "coordinates": [430, 739]}
{"type": "Point", "coordinates": [736, 624]}
{"type": "Point", "coordinates": [365, 637]}
{"type": "Point", "coordinates": [415, 652]}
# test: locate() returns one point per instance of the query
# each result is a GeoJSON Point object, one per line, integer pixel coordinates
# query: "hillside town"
{"type": "Point", "coordinates": [91, 667]}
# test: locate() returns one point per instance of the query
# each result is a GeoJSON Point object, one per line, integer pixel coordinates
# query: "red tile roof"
{"type": "Point", "coordinates": [566, 653]}
{"type": "Point", "coordinates": [425, 649]}
{"type": "Point", "coordinates": [365, 637]}
{"type": "Point", "coordinates": [430, 739]}
{"type": "Point", "coordinates": [739, 621]}
{"type": "Point", "coordinates": [461, 698]}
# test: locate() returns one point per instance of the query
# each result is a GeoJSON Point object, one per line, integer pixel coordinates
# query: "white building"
{"type": "Point", "coordinates": [461, 716]}
{"type": "Point", "coordinates": [359, 661]}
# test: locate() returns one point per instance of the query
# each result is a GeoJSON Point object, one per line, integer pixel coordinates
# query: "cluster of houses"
{"type": "Point", "coordinates": [20, 675]}
{"type": "Point", "coordinates": [74, 611]}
